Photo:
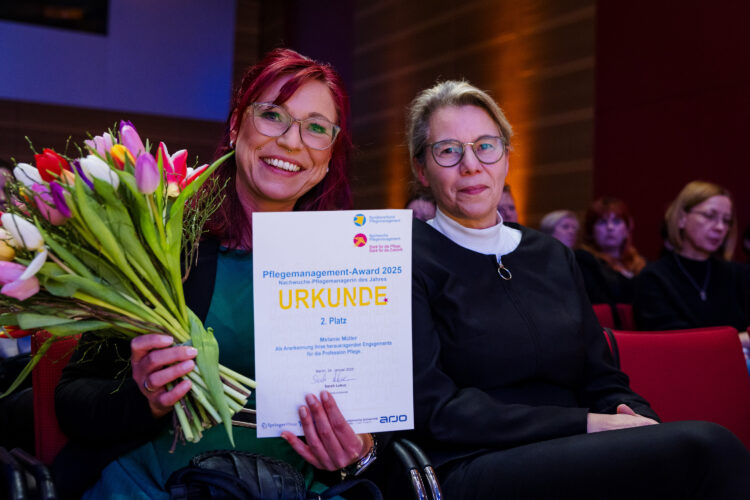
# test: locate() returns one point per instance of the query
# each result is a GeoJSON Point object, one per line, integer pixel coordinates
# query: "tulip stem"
{"type": "Point", "coordinates": [60, 263]}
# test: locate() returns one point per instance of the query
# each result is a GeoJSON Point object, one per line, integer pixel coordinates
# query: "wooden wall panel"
{"type": "Point", "coordinates": [51, 126]}
{"type": "Point", "coordinates": [535, 57]}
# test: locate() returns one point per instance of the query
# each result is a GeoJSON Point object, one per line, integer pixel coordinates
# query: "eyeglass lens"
{"type": "Point", "coordinates": [714, 217]}
{"type": "Point", "coordinates": [273, 121]}
{"type": "Point", "coordinates": [488, 149]}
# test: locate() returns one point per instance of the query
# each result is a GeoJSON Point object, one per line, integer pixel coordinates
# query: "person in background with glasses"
{"type": "Point", "coordinates": [695, 284]}
{"type": "Point", "coordinates": [514, 385]}
{"type": "Point", "coordinates": [608, 259]}
{"type": "Point", "coordinates": [289, 128]}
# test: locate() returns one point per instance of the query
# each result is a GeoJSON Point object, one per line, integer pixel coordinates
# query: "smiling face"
{"type": "Point", "coordinates": [705, 227]}
{"type": "Point", "coordinates": [566, 230]}
{"type": "Point", "coordinates": [274, 172]}
{"type": "Point", "coordinates": [470, 191]}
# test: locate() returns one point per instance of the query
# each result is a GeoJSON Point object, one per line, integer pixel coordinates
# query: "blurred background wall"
{"type": "Point", "coordinates": [630, 99]}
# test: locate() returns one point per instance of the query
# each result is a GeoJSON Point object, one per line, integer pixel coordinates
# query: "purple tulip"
{"type": "Point", "coordinates": [58, 195]}
{"type": "Point", "coordinates": [130, 139]}
{"type": "Point", "coordinates": [47, 206]}
{"type": "Point", "coordinates": [77, 165]}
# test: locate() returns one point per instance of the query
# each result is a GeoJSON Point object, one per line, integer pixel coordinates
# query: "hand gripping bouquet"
{"type": "Point", "coordinates": [100, 243]}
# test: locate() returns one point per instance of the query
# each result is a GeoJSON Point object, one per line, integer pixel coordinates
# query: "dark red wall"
{"type": "Point", "coordinates": [672, 105]}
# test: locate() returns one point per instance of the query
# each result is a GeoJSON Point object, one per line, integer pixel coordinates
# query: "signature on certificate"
{"type": "Point", "coordinates": [336, 375]}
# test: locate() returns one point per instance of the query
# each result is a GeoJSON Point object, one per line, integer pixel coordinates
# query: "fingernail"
{"type": "Point", "coordinates": [191, 351]}
{"type": "Point", "coordinates": [187, 365]}
{"type": "Point", "coordinates": [167, 338]}
{"type": "Point", "coordinates": [310, 399]}
{"type": "Point", "coordinates": [325, 396]}
{"type": "Point", "coordinates": [302, 412]}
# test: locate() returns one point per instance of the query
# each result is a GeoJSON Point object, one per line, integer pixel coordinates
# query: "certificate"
{"type": "Point", "coordinates": [332, 298]}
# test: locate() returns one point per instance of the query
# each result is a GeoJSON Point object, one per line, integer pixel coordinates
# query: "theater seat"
{"type": "Point", "coordinates": [604, 315]}
{"type": "Point", "coordinates": [47, 434]}
{"type": "Point", "coordinates": [695, 374]}
{"type": "Point", "coordinates": [625, 314]}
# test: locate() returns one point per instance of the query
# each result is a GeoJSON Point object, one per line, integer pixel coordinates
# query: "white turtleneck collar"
{"type": "Point", "coordinates": [496, 240]}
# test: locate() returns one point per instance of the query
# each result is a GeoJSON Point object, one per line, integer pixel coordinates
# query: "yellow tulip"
{"type": "Point", "coordinates": [6, 252]}
{"type": "Point", "coordinates": [119, 153]}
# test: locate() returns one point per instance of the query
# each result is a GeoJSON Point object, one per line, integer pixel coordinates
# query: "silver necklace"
{"type": "Point", "coordinates": [503, 271]}
{"type": "Point", "coordinates": [701, 290]}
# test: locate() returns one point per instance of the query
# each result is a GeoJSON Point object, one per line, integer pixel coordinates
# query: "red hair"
{"type": "Point", "coordinates": [630, 260]}
{"type": "Point", "coordinates": [230, 222]}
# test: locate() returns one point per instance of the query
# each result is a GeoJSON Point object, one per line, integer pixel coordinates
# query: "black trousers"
{"type": "Point", "coordinates": [673, 460]}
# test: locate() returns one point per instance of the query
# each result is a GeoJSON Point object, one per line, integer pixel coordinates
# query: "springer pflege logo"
{"type": "Point", "coordinates": [359, 220]}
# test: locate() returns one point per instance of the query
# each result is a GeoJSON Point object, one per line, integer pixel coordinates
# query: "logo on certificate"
{"type": "Point", "coordinates": [359, 220]}
{"type": "Point", "coordinates": [360, 240]}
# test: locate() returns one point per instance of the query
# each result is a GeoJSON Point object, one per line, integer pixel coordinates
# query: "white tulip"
{"type": "Point", "coordinates": [35, 265]}
{"type": "Point", "coordinates": [27, 174]}
{"type": "Point", "coordinates": [24, 233]}
{"type": "Point", "coordinates": [94, 166]}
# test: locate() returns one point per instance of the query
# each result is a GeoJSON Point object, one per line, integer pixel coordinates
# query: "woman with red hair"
{"type": "Point", "coordinates": [289, 128]}
{"type": "Point", "coordinates": [607, 257]}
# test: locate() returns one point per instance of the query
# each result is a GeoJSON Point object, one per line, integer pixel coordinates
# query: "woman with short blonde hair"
{"type": "Point", "coordinates": [513, 381]}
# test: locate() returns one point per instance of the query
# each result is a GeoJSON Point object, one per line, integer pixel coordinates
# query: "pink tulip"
{"type": "Point", "coordinates": [100, 144]}
{"type": "Point", "coordinates": [10, 271]}
{"type": "Point", "coordinates": [193, 174]}
{"type": "Point", "coordinates": [175, 168]}
{"type": "Point", "coordinates": [130, 139]}
{"type": "Point", "coordinates": [13, 286]}
{"type": "Point", "coordinates": [45, 202]}
{"type": "Point", "coordinates": [21, 289]}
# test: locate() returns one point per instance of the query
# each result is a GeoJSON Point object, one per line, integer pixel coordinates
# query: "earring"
{"type": "Point", "coordinates": [231, 144]}
{"type": "Point", "coordinates": [327, 169]}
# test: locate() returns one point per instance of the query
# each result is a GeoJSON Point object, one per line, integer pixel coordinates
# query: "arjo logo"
{"type": "Point", "coordinates": [392, 418]}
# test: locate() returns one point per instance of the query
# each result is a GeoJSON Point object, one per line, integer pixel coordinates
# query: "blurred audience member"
{"type": "Point", "coordinates": [423, 207]}
{"type": "Point", "coordinates": [563, 225]}
{"type": "Point", "coordinates": [607, 257]}
{"type": "Point", "coordinates": [507, 206]}
{"type": "Point", "coordinates": [696, 285]}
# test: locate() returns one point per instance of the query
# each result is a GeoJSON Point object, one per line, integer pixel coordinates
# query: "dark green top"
{"type": "Point", "coordinates": [143, 472]}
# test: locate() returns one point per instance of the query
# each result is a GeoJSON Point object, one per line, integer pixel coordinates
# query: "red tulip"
{"type": "Point", "coordinates": [50, 165]}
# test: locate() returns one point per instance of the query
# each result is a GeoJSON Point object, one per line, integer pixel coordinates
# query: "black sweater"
{"type": "Point", "coordinates": [504, 363]}
{"type": "Point", "coordinates": [665, 298]}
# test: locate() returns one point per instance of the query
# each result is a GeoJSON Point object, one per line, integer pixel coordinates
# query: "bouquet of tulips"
{"type": "Point", "coordinates": [96, 243]}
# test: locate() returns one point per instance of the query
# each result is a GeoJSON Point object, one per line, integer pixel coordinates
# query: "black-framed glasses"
{"type": "Point", "coordinates": [448, 153]}
{"type": "Point", "coordinates": [714, 217]}
{"type": "Point", "coordinates": [273, 120]}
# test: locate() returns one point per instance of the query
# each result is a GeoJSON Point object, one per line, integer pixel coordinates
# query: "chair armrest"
{"type": "Point", "coordinates": [14, 482]}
